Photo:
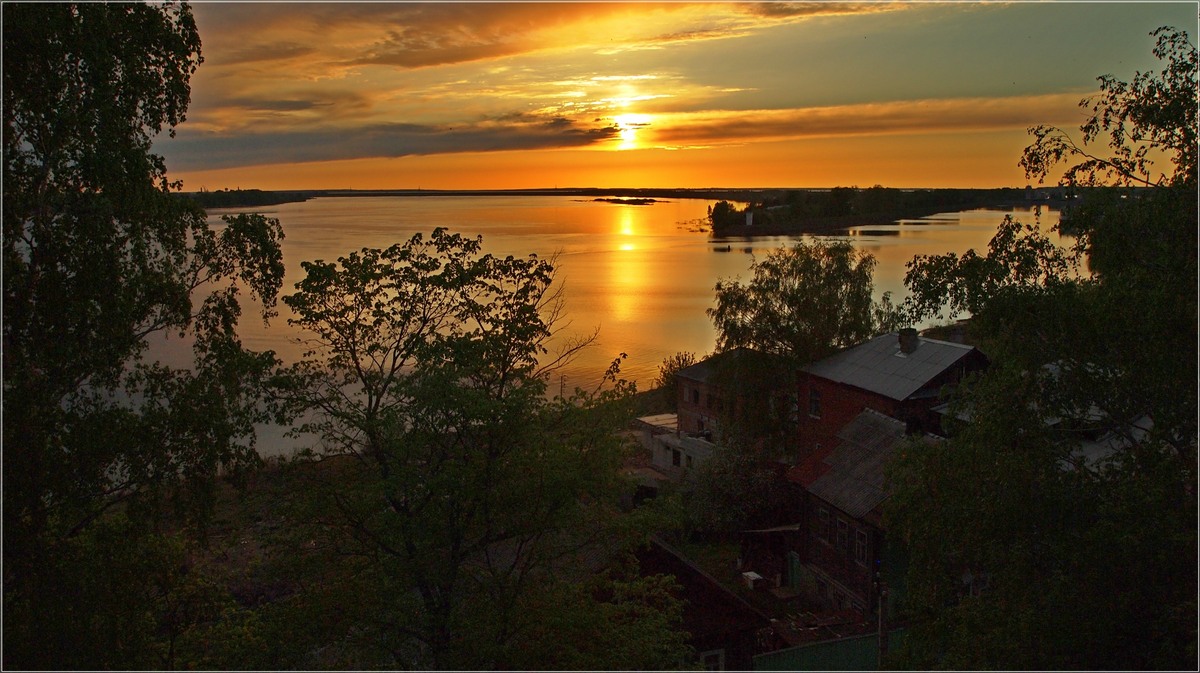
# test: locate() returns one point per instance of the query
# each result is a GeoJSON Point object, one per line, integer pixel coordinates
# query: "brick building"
{"type": "Point", "coordinates": [896, 374]}
{"type": "Point", "coordinates": [842, 546]}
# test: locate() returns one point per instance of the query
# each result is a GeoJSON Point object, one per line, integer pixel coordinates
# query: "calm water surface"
{"type": "Point", "coordinates": [643, 275]}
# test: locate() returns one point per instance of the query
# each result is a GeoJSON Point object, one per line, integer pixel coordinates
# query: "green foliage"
{"type": "Point", "coordinates": [1020, 259]}
{"type": "Point", "coordinates": [735, 489]}
{"type": "Point", "coordinates": [1091, 561]}
{"type": "Point", "coordinates": [99, 257]}
{"type": "Point", "coordinates": [666, 382]}
{"type": "Point", "coordinates": [1154, 114]}
{"type": "Point", "coordinates": [803, 302]}
{"type": "Point", "coordinates": [605, 622]}
{"type": "Point", "coordinates": [1085, 567]}
{"type": "Point", "coordinates": [471, 493]}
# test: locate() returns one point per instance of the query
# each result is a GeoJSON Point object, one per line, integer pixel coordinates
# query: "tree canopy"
{"type": "Point", "coordinates": [802, 302]}
{"type": "Point", "coordinates": [474, 502]}
{"type": "Point", "coordinates": [99, 259]}
{"type": "Point", "coordinates": [1070, 491]}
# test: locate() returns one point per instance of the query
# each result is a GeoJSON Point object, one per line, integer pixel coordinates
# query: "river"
{"type": "Point", "coordinates": [642, 274]}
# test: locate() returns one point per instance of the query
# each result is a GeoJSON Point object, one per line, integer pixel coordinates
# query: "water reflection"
{"type": "Point", "coordinates": [631, 270]}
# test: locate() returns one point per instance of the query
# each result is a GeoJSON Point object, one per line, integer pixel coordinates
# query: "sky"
{"type": "Point", "coordinates": [615, 94]}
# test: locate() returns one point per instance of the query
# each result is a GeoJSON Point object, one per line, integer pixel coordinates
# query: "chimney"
{"type": "Point", "coordinates": [909, 340]}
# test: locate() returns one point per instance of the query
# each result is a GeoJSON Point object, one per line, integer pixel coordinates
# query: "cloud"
{"type": "Point", "coordinates": [922, 116]}
{"type": "Point", "coordinates": [792, 10]}
{"type": "Point", "coordinates": [259, 53]}
{"type": "Point", "coordinates": [326, 39]}
{"type": "Point", "coordinates": [190, 151]}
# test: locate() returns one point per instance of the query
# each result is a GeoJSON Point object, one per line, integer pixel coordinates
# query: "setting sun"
{"type": "Point", "coordinates": [512, 96]}
{"type": "Point", "coordinates": [629, 125]}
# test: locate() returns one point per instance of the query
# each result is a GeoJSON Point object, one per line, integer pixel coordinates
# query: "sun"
{"type": "Point", "coordinates": [628, 127]}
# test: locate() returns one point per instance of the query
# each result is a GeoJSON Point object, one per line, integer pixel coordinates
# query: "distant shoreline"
{"type": "Point", "coordinates": [950, 199]}
{"type": "Point", "coordinates": [255, 197]}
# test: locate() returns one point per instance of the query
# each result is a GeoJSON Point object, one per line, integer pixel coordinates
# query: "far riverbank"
{"type": "Point", "coordinates": [769, 198]}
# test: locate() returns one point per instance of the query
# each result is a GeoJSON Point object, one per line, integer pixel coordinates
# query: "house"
{"type": "Point", "coordinates": [723, 626]}
{"type": "Point", "coordinates": [739, 390]}
{"type": "Point", "coordinates": [834, 553]}
{"type": "Point", "coordinates": [841, 555]}
{"type": "Point", "coordinates": [899, 374]}
{"type": "Point", "coordinates": [677, 455]}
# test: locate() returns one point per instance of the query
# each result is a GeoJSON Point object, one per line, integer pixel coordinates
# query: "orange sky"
{"type": "Point", "coordinates": [535, 95]}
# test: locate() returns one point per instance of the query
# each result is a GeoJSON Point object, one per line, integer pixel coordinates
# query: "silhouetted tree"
{"type": "Point", "coordinates": [99, 256]}
{"type": "Point", "coordinates": [473, 500]}
{"type": "Point", "coordinates": [1090, 560]}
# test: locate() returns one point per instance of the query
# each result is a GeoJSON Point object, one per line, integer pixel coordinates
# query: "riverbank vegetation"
{"type": "Point", "coordinates": [1071, 491]}
{"type": "Point", "coordinates": [806, 211]}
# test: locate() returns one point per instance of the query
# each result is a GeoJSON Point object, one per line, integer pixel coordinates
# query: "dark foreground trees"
{"type": "Point", "coordinates": [476, 512]}
{"type": "Point", "coordinates": [1057, 527]}
{"type": "Point", "coordinates": [99, 258]}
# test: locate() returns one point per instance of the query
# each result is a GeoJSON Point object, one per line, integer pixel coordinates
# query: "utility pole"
{"type": "Point", "coordinates": [881, 593]}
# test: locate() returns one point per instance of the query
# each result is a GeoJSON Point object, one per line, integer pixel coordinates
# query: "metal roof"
{"type": "Point", "coordinates": [854, 481]}
{"type": "Point", "coordinates": [879, 367]}
{"type": "Point", "coordinates": [739, 362]}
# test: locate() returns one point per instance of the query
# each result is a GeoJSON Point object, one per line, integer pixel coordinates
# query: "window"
{"type": "Point", "coordinates": [823, 528]}
{"type": "Point", "coordinates": [814, 403]}
{"type": "Point", "coordinates": [675, 457]}
{"type": "Point", "coordinates": [860, 546]}
{"type": "Point", "coordinates": [713, 660]}
{"type": "Point", "coordinates": [843, 537]}
{"type": "Point", "coordinates": [695, 396]}
{"type": "Point", "coordinates": [688, 462]}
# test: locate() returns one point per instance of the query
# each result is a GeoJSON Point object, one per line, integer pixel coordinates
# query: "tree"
{"type": "Point", "coordinates": [1152, 116]}
{"type": "Point", "coordinates": [1072, 487]}
{"type": "Point", "coordinates": [735, 489]}
{"type": "Point", "coordinates": [100, 257]}
{"type": "Point", "coordinates": [724, 215]}
{"type": "Point", "coordinates": [666, 383]}
{"type": "Point", "coordinates": [469, 494]}
{"type": "Point", "coordinates": [803, 302]}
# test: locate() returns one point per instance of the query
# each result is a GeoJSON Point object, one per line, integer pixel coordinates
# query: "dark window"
{"type": "Point", "coordinates": [688, 460]}
{"type": "Point", "coordinates": [814, 403]}
{"type": "Point", "coordinates": [695, 396]}
{"type": "Point", "coordinates": [843, 537]}
{"type": "Point", "coordinates": [823, 527]}
{"type": "Point", "coordinates": [860, 546]}
{"type": "Point", "coordinates": [675, 457]}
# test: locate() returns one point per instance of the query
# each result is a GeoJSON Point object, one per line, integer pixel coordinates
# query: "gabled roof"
{"type": "Point", "coordinates": [853, 481]}
{"type": "Point", "coordinates": [880, 367]}
{"type": "Point", "coordinates": [739, 362]}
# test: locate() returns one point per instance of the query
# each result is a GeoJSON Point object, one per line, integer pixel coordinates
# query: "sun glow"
{"type": "Point", "coordinates": [628, 127]}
